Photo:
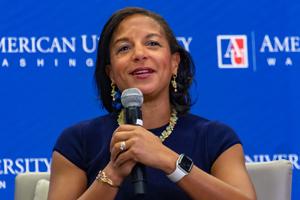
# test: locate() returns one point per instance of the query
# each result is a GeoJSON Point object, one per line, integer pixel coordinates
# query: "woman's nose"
{"type": "Point", "coordinates": [139, 53]}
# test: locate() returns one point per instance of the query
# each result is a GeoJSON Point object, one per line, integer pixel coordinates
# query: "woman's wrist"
{"type": "Point", "coordinates": [102, 177]}
{"type": "Point", "coordinates": [168, 161]}
{"type": "Point", "coordinates": [112, 174]}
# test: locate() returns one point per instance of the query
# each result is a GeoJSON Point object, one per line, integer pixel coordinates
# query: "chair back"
{"type": "Point", "coordinates": [32, 186]}
{"type": "Point", "coordinates": [272, 180]}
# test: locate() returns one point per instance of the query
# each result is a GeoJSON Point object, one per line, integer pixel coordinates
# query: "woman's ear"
{"type": "Point", "coordinates": [109, 73]}
{"type": "Point", "coordinates": [175, 62]}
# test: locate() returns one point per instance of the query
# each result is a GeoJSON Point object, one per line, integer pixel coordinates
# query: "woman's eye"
{"type": "Point", "coordinates": [122, 49]}
{"type": "Point", "coordinates": [153, 43]}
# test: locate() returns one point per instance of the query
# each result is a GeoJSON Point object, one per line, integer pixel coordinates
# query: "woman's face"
{"type": "Point", "coordinates": [140, 56]}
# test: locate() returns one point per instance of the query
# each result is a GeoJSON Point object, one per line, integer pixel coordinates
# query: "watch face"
{"type": "Point", "coordinates": [186, 163]}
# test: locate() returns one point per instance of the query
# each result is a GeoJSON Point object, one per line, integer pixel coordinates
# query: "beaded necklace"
{"type": "Point", "coordinates": [166, 133]}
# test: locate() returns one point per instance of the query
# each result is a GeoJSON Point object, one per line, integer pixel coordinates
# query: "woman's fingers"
{"type": "Point", "coordinates": [119, 136]}
{"type": "Point", "coordinates": [134, 143]}
{"type": "Point", "coordinates": [118, 148]}
{"type": "Point", "coordinates": [125, 132]}
{"type": "Point", "coordinates": [123, 158]}
{"type": "Point", "coordinates": [126, 168]}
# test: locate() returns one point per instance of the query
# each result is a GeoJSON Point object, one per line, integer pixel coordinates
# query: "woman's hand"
{"type": "Point", "coordinates": [140, 146]}
{"type": "Point", "coordinates": [118, 173]}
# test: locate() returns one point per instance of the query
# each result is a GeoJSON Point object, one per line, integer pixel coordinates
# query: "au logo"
{"type": "Point", "coordinates": [232, 51]}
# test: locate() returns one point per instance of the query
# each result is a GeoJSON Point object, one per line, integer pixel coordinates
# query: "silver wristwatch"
{"type": "Point", "coordinates": [184, 165]}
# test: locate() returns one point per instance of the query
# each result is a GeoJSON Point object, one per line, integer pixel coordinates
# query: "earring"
{"type": "Point", "coordinates": [174, 83]}
{"type": "Point", "coordinates": [113, 92]}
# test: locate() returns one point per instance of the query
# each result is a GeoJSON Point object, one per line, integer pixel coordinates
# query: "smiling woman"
{"type": "Point", "coordinates": [161, 31]}
{"type": "Point", "coordinates": [186, 156]}
{"type": "Point", "coordinates": [140, 57]}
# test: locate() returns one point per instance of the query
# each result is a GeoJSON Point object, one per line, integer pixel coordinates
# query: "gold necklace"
{"type": "Point", "coordinates": [166, 133]}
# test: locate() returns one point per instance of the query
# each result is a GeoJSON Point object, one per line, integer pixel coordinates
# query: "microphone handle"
{"type": "Point", "coordinates": [133, 115]}
{"type": "Point", "coordinates": [138, 179]}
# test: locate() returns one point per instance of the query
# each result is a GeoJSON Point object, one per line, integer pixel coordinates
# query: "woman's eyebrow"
{"type": "Point", "coordinates": [122, 39]}
{"type": "Point", "coordinates": [125, 39]}
{"type": "Point", "coordinates": [153, 35]}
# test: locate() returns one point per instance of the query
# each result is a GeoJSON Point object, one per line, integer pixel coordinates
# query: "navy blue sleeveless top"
{"type": "Point", "coordinates": [87, 146]}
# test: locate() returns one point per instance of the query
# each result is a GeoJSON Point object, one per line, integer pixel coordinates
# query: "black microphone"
{"type": "Point", "coordinates": [132, 100]}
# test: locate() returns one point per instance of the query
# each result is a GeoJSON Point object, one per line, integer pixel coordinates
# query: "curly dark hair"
{"type": "Point", "coordinates": [179, 100]}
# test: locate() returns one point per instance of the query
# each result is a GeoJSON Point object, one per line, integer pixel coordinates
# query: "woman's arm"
{"type": "Point", "coordinates": [69, 182]}
{"type": "Point", "coordinates": [229, 179]}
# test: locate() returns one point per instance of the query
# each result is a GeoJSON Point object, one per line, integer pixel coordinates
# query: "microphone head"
{"type": "Point", "coordinates": [132, 97]}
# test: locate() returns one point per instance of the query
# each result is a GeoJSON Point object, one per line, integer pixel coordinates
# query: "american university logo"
{"type": "Point", "coordinates": [232, 51]}
{"type": "Point", "coordinates": [46, 51]}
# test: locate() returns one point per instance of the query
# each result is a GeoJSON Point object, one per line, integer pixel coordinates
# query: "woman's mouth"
{"type": "Point", "coordinates": [142, 73]}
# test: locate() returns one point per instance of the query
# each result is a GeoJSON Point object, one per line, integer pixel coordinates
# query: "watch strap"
{"type": "Point", "coordinates": [178, 173]}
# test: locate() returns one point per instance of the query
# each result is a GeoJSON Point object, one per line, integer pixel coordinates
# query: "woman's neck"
{"type": "Point", "coordinates": [156, 114]}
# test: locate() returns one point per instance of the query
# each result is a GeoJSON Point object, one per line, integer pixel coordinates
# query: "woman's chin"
{"type": "Point", "coordinates": [149, 90]}
{"type": "Point", "coordinates": [146, 90]}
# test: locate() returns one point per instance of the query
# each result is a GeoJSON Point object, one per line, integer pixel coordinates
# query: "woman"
{"type": "Point", "coordinates": [93, 159]}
